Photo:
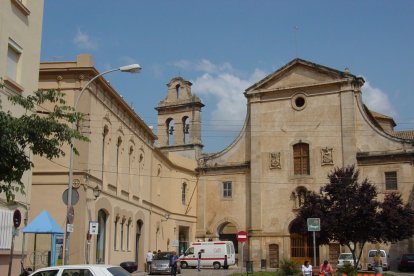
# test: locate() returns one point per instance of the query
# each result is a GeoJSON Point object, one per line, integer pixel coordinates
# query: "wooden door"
{"type": "Point", "coordinates": [273, 255]}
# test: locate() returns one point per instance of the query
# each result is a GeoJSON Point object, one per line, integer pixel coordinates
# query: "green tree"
{"type": "Point", "coordinates": [351, 214]}
{"type": "Point", "coordinates": [39, 131]}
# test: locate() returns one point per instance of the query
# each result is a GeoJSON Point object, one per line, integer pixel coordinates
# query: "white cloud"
{"type": "Point", "coordinates": [183, 64]}
{"type": "Point", "coordinates": [222, 82]}
{"type": "Point", "coordinates": [377, 100]}
{"type": "Point", "coordinates": [83, 41]}
{"type": "Point", "coordinates": [203, 65]}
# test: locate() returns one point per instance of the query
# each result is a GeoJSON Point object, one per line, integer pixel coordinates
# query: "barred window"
{"type": "Point", "coordinates": [301, 159]}
{"type": "Point", "coordinates": [391, 181]}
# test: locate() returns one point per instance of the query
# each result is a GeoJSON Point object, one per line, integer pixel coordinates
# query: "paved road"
{"type": "Point", "coordinates": [203, 272]}
{"type": "Point", "coordinates": [224, 272]}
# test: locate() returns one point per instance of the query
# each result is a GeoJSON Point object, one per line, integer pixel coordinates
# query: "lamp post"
{"type": "Point", "coordinates": [132, 68]}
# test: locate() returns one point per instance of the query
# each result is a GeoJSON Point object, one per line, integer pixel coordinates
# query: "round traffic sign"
{"type": "Point", "coordinates": [242, 236]}
{"type": "Point", "coordinates": [75, 196]}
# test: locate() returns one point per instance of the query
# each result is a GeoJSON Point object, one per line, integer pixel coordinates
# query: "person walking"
{"type": "Point", "coordinates": [148, 260]}
{"type": "Point", "coordinates": [306, 269]}
{"type": "Point", "coordinates": [173, 263]}
{"type": "Point", "coordinates": [377, 263]}
{"type": "Point", "coordinates": [199, 259]}
{"type": "Point", "coordinates": [326, 269]}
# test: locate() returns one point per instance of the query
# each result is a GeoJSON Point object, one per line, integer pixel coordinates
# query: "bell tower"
{"type": "Point", "coordinates": [179, 120]}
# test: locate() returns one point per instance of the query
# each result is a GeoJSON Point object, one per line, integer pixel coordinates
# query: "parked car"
{"type": "Point", "coordinates": [129, 266]}
{"type": "Point", "coordinates": [81, 270]}
{"type": "Point", "coordinates": [346, 258]}
{"type": "Point", "coordinates": [161, 263]}
{"type": "Point", "coordinates": [384, 257]}
{"type": "Point", "coordinates": [406, 262]}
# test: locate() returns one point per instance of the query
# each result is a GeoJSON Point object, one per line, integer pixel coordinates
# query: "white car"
{"type": "Point", "coordinates": [384, 258]}
{"type": "Point", "coordinates": [346, 258]}
{"type": "Point", "coordinates": [81, 270]}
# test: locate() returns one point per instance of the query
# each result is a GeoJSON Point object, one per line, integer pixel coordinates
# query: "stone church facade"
{"type": "Point", "coordinates": [302, 121]}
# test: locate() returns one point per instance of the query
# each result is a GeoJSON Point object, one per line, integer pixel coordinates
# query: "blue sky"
{"type": "Point", "coordinates": [224, 46]}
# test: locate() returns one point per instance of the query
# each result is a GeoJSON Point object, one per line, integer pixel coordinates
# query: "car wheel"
{"type": "Point", "coordinates": [216, 265]}
{"type": "Point", "coordinates": [184, 265]}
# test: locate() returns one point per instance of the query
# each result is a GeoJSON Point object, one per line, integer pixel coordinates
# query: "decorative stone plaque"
{"type": "Point", "coordinates": [327, 158]}
{"type": "Point", "coordinates": [275, 160]}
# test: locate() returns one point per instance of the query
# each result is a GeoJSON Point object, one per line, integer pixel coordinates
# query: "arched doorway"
{"type": "Point", "coordinates": [140, 223]}
{"type": "Point", "coordinates": [228, 232]}
{"type": "Point", "coordinates": [301, 244]}
{"type": "Point", "coordinates": [101, 237]}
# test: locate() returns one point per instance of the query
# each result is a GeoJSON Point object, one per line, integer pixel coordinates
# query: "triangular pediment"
{"type": "Point", "coordinates": [298, 73]}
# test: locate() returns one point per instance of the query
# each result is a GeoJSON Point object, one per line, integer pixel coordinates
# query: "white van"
{"type": "Point", "coordinates": [214, 254]}
{"type": "Point", "coordinates": [384, 257]}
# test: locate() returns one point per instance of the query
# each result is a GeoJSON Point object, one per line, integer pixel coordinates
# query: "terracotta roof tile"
{"type": "Point", "coordinates": [404, 134]}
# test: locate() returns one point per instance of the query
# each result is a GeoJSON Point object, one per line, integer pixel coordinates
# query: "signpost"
{"type": "Point", "coordinates": [314, 224]}
{"type": "Point", "coordinates": [242, 238]}
{"type": "Point", "coordinates": [17, 219]}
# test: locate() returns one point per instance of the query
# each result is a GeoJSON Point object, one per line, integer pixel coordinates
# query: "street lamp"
{"type": "Point", "coordinates": [132, 68]}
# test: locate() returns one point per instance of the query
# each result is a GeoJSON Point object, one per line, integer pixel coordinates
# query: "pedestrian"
{"type": "Point", "coordinates": [148, 260]}
{"type": "Point", "coordinates": [173, 263]}
{"type": "Point", "coordinates": [199, 259]}
{"type": "Point", "coordinates": [377, 263]}
{"type": "Point", "coordinates": [306, 269]}
{"type": "Point", "coordinates": [326, 269]}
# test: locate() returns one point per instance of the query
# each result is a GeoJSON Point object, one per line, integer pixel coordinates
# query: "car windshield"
{"type": "Point", "coordinates": [345, 257]}
{"type": "Point", "coordinates": [162, 256]}
{"type": "Point", "coordinates": [408, 257]}
{"type": "Point", "coordinates": [118, 271]}
{"type": "Point", "coordinates": [372, 253]}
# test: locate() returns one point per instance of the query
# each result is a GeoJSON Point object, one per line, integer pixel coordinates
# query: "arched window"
{"type": "Point", "coordinates": [116, 223]}
{"type": "Point", "coordinates": [130, 159]}
{"type": "Point", "coordinates": [301, 159]}
{"type": "Point", "coordinates": [170, 131]}
{"type": "Point", "coordinates": [177, 90]}
{"type": "Point", "coordinates": [118, 157]}
{"type": "Point", "coordinates": [104, 139]}
{"type": "Point", "coordinates": [300, 197]}
{"type": "Point", "coordinates": [186, 129]}
{"type": "Point", "coordinates": [184, 193]}
{"type": "Point", "coordinates": [138, 244]}
{"type": "Point", "coordinates": [101, 237]}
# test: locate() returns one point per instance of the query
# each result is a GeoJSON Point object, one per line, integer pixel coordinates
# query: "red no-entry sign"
{"type": "Point", "coordinates": [242, 236]}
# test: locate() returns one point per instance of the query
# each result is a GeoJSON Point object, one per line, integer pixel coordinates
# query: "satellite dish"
{"type": "Point", "coordinates": [75, 197]}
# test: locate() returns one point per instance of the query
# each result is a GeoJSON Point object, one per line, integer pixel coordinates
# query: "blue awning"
{"type": "Point", "coordinates": [43, 224]}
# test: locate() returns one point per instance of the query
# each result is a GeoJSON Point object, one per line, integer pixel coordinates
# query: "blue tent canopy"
{"type": "Point", "coordinates": [43, 224]}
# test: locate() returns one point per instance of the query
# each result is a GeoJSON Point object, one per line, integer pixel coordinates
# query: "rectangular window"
{"type": "Point", "coordinates": [14, 53]}
{"type": "Point", "coordinates": [227, 189]}
{"type": "Point", "coordinates": [391, 181]}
